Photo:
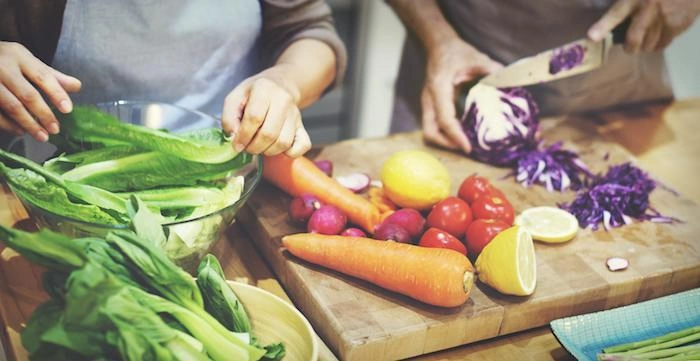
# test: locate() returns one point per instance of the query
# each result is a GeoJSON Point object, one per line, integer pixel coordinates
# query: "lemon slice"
{"type": "Point", "coordinates": [508, 263]}
{"type": "Point", "coordinates": [548, 224]}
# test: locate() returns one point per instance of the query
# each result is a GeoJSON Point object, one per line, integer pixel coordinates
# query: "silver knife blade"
{"type": "Point", "coordinates": [536, 69]}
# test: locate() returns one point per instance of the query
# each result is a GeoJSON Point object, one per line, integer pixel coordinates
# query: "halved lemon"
{"type": "Point", "coordinates": [548, 224]}
{"type": "Point", "coordinates": [508, 263]}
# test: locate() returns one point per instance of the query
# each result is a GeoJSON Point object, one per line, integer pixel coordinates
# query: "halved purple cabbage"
{"type": "Point", "coordinates": [553, 167]}
{"type": "Point", "coordinates": [500, 123]}
{"type": "Point", "coordinates": [616, 198]}
{"type": "Point", "coordinates": [565, 58]}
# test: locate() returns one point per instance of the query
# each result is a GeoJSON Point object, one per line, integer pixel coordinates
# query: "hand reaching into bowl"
{"type": "Point", "coordinates": [22, 108]}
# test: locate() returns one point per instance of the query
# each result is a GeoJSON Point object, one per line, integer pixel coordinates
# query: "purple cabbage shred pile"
{"type": "Point", "coordinates": [614, 199]}
{"type": "Point", "coordinates": [553, 167]}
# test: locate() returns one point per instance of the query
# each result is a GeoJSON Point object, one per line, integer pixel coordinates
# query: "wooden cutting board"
{"type": "Point", "coordinates": [360, 321]}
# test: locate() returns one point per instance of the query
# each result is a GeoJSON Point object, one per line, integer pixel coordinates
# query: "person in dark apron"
{"type": "Point", "coordinates": [450, 42]}
{"type": "Point", "coordinates": [253, 63]}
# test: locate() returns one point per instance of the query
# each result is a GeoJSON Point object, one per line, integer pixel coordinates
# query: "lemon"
{"type": "Point", "coordinates": [415, 179]}
{"type": "Point", "coordinates": [508, 263]}
{"type": "Point", "coordinates": [548, 224]}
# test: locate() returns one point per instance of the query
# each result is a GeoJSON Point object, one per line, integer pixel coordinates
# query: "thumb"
{"type": "Point", "coordinates": [614, 16]}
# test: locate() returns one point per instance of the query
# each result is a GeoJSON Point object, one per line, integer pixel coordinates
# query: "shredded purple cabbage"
{"type": "Point", "coordinates": [565, 58]}
{"type": "Point", "coordinates": [553, 167]}
{"type": "Point", "coordinates": [616, 198]}
{"type": "Point", "coordinates": [522, 124]}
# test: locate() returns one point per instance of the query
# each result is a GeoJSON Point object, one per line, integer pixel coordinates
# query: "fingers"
{"type": "Point", "coordinates": [443, 99]}
{"type": "Point", "coordinates": [302, 143]}
{"type": "Point", "coordinates": [431, 131]}
{"type": "Point", "coordinates": [264, 120]}
{"type": "Point", "coordinates": [234, 105]}
{"type": "Point", "coordinates": [69, 83]}
{"type": "Point", "coordinates": [253, 117]}
{"type": "Point", "coordinates": [268, 134]}
{"type": "Point", "coordinates": [30, 98]}
{"type": "Point", "coordinates": [10, 127]}
{"type": "Point", "coordinates": [285, 139]}
{"type": "Point", "coordinates": [639, 27]}
{"type": "Point", "coordinates": [614, 16]}
{"type": "Point", "coordinates": [653, 36]}
{"type": "Point", "coordinates": [15, 110]}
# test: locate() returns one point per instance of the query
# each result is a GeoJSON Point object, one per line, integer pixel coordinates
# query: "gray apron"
{"type": "Point", "coordinates": [507, 30]}
{"type": "Point", "coordinates": [189, 53]}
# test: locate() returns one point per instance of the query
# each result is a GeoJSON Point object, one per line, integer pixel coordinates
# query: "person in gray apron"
{"type": "Point", "coordinates": [451, 42]}
{"type": "Point", "coordinates": [252, 63]}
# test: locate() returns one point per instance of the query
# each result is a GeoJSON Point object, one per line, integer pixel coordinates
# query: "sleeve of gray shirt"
{"type": "Point", "coordinates": [286, 21]}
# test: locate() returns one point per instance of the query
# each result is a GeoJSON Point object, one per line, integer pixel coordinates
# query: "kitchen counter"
{"type": "Point", "coordinates": [664, 139]}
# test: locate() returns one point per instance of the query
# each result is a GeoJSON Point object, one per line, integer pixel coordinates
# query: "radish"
{"type": "Point", "coordinates": [326, 166]}
{"type": "Point", "coordinates": [392, 232]}
{"type": "Point", "coordinates": [356, 182]}
{"type": "Point", "coordinates": [301, 208]}
{"type": "Point", "coordinates": [327, 220]}
{"type": "Point", "coordinates": [410, 219]}
{"type": "Point", "coordinates": [353, 232]}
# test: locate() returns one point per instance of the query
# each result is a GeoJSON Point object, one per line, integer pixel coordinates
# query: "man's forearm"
{"type": "Point", "coordinates": [310, 65]}
{"type": "Point", "coordinates": [425, 19]}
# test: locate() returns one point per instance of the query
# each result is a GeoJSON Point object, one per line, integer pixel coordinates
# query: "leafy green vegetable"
{"type": "Point", "coordinates": [89, 124]}
{"type": "Point", "coordinates": [149, 170]}
{"type": "Point", "coordinates": [86, 193]}
{"type": "Point", "coordinates": [219, 299]}
{"type": "Point", "coordinates": [154, 268]}
{"type": "Point", "coordinates": [45, 248]}
{"type": "Point", "coordinates": [66, 162]}
{"type": "Point", "coordinates": [34, 189]}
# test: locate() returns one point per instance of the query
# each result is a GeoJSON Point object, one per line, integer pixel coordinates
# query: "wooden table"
{"type": "Point", "coordinates": [665, 139]}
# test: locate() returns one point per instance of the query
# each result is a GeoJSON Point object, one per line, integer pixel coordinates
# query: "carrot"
{"type": "Point", "coordinates": [436, 276]}
{"type": "Point", "coordinates": [297, 176]}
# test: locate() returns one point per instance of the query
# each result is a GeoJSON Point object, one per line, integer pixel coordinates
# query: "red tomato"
{"type": "Point", "coordinates": [452, 215]}
{"type": "Point", "coordinates": [482, 231]}
{"type": "Point", "coordinates": [472, 187]}
{"type": "Point", "coordinates": [437, 238]}
{"type": "Point", "coordinates": [493, 207]}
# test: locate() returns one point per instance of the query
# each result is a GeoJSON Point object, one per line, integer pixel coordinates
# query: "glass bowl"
{"type": "Point", "coordinates": [189, 240]}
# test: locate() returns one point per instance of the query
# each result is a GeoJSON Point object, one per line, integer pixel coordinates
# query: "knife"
{"type": "Point", "coordinates": [574, 58]}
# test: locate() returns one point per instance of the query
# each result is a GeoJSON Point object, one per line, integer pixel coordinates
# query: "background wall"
{"type": "Point", "coordinates": [384, 40]}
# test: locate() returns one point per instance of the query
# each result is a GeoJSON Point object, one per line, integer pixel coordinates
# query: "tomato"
{"type": "Point", "coordinates": [482, 231]}
{"type": "Point", "coordinates": [452, 215]}
{"type": "Point", "coordinates": [437, 238]}
{"type": "Point", "coordinates": [472, 187]}
{"type": "Point", "coordinates": [493, 207]}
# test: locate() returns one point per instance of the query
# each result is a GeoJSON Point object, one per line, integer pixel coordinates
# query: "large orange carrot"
{"type": "Point", "coordinates": [437, 276]}
{"type": "Point", "coordinates": [297, 176]}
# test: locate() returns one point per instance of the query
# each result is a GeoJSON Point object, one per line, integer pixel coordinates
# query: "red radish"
{"type": "Point", "coordinates": [327, 220]}
{"type": "Point", "coordinates": [410, 220]}
{"type": "Point", "coordinates": [301, 208]}
{"type": "Point", "coordinates": [356, 182]}
{"type": "Point", "coordinates": [392, 232]}
{"type": "Point", "coordinates": [353, 232]}
{"type": "Point", "coordinates": [326, 166]}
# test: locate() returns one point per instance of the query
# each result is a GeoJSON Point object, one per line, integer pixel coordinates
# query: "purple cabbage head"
{"type": "Point", "coordinates": [500, 124]}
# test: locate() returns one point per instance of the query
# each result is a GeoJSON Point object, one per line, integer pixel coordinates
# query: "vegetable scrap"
{"type": "Point", "coordinates": [678, 345]}
{"type": "Point", "coordinates": [566, 57]}
{"type": "Point", "coordinates": [615, 264]}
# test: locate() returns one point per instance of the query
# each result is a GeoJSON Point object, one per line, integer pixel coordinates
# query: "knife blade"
{"type": "Point", "coordinates": [576, 57]}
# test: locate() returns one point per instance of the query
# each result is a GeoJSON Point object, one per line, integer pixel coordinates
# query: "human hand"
{"type": "Point", "coordinates": [654, 23]}
{"type": "Point", "coordinates": [449, 64]}
{"type": "Point", "coordinates": [262, 115]}
{"type": "Point", "coordinates": [22, 107]}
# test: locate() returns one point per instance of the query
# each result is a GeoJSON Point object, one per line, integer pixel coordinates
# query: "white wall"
{"type": "Point", "coordinates": [385, 35]}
